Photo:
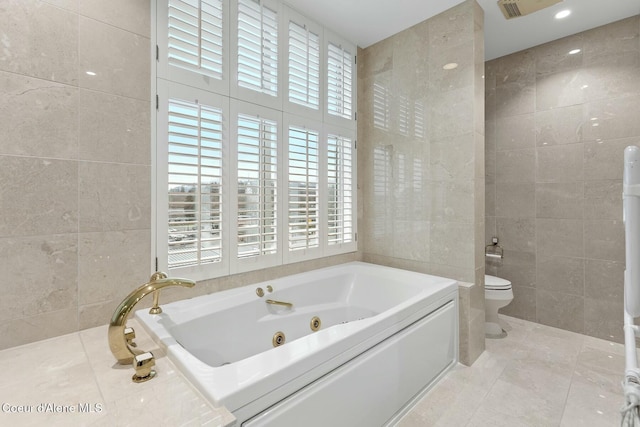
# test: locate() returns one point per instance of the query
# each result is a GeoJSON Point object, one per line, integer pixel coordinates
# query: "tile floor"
{"type": "Point", "coordinates": [536, 376]}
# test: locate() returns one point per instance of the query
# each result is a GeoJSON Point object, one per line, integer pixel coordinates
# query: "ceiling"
{"type": "Point", "coordinates": [366, 22]}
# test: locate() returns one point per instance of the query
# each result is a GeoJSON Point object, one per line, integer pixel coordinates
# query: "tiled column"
{"type": "Point", "coordinates": [421, 156]}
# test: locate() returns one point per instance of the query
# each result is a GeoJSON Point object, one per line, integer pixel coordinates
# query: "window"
{"type": "Point", "coordinates": [195, 36]}
{"type": "Point", "coordinates": [192, 43]}
{"type": "Point", "coordinates": [303, 187]}
{"type": "Point", "coordinates": [340, 198]}
{"type": "Point", "coordinates": [339, 81]}
{"type": "Point", "coordinates": [304, 65]}
{"type": "Point", "coordinates": [257, 140]}
{"type": "Point", "coordinates": [249, 175]}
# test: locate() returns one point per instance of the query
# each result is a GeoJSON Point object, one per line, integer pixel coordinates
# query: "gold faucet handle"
{"type": "Point", "coordinates": [143, 364]}
{"type": "Point", "coordinates": [130, 335]}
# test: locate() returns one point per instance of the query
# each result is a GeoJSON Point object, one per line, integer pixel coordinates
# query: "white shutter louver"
{"type": "Point", "coordinates": [303, 212]}
{"type": "Point", "coordinates": [195, 36]}
{"type": "Point", "coordinates": [340, 205]}
{"type": "Point", "coordinates": [304, 66]}
{"type": "Point", "coordinates": [339, 81]}
{"type": "Point", "coordinates": [257, 186]}
{"type": "Point", "coordinates": [257, 47]}
{"type": "Point", "coordinates": [195, 183]}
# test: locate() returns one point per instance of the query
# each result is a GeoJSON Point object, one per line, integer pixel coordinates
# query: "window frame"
{"type": "Point", "coordinates": [239, 265]}
{"type": "Point", "coordinates": [170, 81]}
{"type": "Point", "coordinates": [166, 92]}
{"type": "Point", "coordinates": [244, 93]}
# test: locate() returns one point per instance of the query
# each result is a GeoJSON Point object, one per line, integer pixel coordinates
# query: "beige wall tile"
{"type": "Point", "coordinates": [460, 77]}
{"type": "Point", "coordinates": [452, 158]}
{"type": "Point", "coordinates": [24, 330]}
{"type": "Point", "coordinates": [560, 200]}
{"type": "Point", "coordinates": [609, 43]}
{"type": "Point", "coordinates": [523, 305]}
{"type": "Point", "coordinates": [604, 159]}
{"type": "Point", "coordinates": [39, 275]}
{"type": "Point", "coordinates": [560, 163]}
{"type": "Point", "coordinates": [516, 166]}
{"type": "Point", "coordinates": [603, 280]}
{"type": "Point", "coordinates": [515, 132]}
{"type": "Point", "coordinates": [560, 125]}
{"type": "Point", "coordinates": [71, 5]}
{"type": "Point", "coordinates": [615, 118]}
{"type": "Point", "coordinates": [452, 27]}
{"type": "Point", "coordinates": [451, 245]}
{"type": "Point", "coordinates": [560, 310]}
{"type": "Point", "coordinates": [113, 128]}
{"type": "Point", "coordinates": [105, 271]}
{"type": "Point", "coordinates": [560, 89]}
{"type": "Point", "coordinates": [554, 57]}
{"type": "Point", "coordinates": [38, 117]}
{"type": "Point", "coordinates": [452, 201]}
{"type": "Point", "coordinates": [560, 274]}
{"type": "Point", "coordinates": [451, 113]}
{"type": "Point", "coordinates": [39, 196]}
{"type": "Point", "coordinates": [560, 237]}
{"type": "Point", "coordinates": [583, 122]}
{"type": "Point", "coordinates": [518, 267]}
{"type": "Point", "coordinates": [602, 199]}
{"type": "Point", "coordinates": [121, 66]}
{"type": "Point", "coordinates": [114, 197]}
{"type": "Point", "coordinates": [599, 321]}
{"type": "Point", "coordinates": [517, 234]}
{"type": "Point", "coordinates": [604, 240]}
{"type": "Point", "coordinates": [517, 200]}
{"type": "Point", "coordinates": [130, 15]}
{"type": "Point", "coordinates": [40, 40]}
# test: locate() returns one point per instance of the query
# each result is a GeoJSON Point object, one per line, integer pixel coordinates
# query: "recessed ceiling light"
{"type": "Point", "coordinates": [450, 66]}
{"type": "Point", "coordinates": [563, 14]}
{"type": "Point", "coordinates": [91, 73]}
{"type": "Point", "coordinates": [574, 51]}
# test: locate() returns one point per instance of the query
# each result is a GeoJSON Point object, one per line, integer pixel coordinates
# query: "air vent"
{"type": "Point", "coordinates": [515, 8]}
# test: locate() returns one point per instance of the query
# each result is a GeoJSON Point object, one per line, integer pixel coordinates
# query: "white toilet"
{"type": "Point", "coordinates": [497, 294]}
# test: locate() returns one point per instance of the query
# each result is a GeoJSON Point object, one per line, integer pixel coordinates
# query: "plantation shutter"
{"type": "Point", "coordinates": [340, 189]}
{"type": "Point", "coordinates": [339, 81]}
{"type": "Point", "coordinates": [302, 183]}
{"type": "Point", "coordinates": [194, 145]}
{"type": "Point", "coordinates": [304, 66]}
{"type": "Point", "coordinates": [192, 43]}
{"type": "Point", "coordinates": [257, 186]}
{"type": "Point", "coordinates": [257, 47]}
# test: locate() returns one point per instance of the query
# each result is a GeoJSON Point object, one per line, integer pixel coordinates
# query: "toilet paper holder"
{"type": "Point", "coordinates": [494, 250]}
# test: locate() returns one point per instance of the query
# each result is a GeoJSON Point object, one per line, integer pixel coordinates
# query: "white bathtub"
{"type": "Point", "coordinates": [386, 336]}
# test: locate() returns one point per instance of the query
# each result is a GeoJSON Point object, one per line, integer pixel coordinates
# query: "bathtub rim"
{"type": "Point", "coordinates": [270, 381]}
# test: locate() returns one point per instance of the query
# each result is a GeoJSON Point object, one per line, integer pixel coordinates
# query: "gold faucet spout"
{"type": "Point", "coordinates": [117, 340]}
{"type": "Point", "coordinates": [282, 303]}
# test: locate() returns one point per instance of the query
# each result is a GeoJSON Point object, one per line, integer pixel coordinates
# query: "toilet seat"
{"type": "Point", "coordinates": [496, 283]}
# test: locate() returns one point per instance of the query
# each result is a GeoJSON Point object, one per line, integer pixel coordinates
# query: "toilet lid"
{"type": "Point", "coordinates": [496, 283]}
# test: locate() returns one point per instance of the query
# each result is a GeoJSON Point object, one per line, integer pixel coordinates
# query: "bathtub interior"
{"type": "Point", "coordinates": [244, 325]}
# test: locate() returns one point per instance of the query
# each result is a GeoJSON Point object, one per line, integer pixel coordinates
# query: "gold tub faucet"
{"type": "Point", "coordinates": [121, 340]}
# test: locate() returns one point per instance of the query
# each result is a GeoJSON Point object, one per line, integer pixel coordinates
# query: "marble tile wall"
{"type": "Point", "coordinates": [556, 128]}
{"type": "Point", "coordinates": [75, 162]}
{"type": "Point", "coordinates": [75, 167]}
{"type": "Point", "coordinates": [421, 156]}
